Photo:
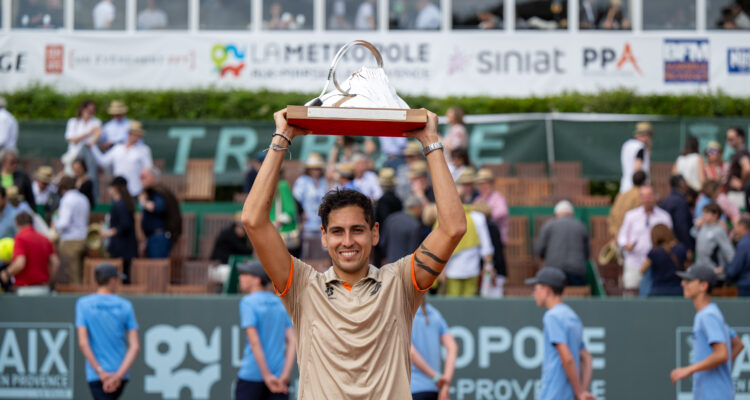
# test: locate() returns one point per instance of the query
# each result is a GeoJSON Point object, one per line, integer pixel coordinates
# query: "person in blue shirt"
{"type": "Point", "coordinates": [107, 335]}
{"type": "Point", "coordinates": [429, 331]}
{"type": "Point", "coordinates": [269, 354]}
{"type": "Point", "coordinates": [739, 268]}
{"type": "Point", "coordinates": [566, 370]}
{"type": "Point", "coordinates": [713, 340]}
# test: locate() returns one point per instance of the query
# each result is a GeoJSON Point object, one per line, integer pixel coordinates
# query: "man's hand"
{"type": "Point", "coordinates": [719, 270]}
{"type": "Point", "coordinates": [585, 396]}
{"type": "Point", "coordinates": [680, 373]}
{"type": "Point", "coordinates": [4, 276]}
{"type": "Point", "coordinates": [444, 393]}
{"type": "Point", "coordinates": [111, 384]}
{"type": "Point", "coordinates": [630, 246]}
{"type": "Point", "coordinates": [429, 134]}
{"type": "Point", "coordinates": [282, 126]}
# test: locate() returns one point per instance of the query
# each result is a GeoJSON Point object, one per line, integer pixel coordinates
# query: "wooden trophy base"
{"type": "Point", "coordinates": [348, 121]}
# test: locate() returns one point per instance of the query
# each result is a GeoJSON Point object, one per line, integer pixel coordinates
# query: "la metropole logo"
{"type": "Point", "coordinates": [228, 59]}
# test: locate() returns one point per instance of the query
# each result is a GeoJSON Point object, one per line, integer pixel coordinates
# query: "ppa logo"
{"type": "Point", "coordinates": [167, 348]}
{"type": "Point", "coordinates": [228, 59]}
{"type": "Point", "coordinates": [609, 60]}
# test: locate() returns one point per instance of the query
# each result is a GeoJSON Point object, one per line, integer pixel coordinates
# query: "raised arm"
{"type": "Point", "coordinates": [269, 247]}
{"type": "Point", "coordinates": [436, 249]}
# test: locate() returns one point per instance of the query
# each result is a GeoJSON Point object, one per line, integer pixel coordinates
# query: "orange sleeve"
{"type": "Point", "coordinates": [414, 276]}
{"type": "Point", "coordinates": [289, 280]}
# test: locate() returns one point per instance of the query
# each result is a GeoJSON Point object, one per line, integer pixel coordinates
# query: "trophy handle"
{"type": "Point", "coordinates": [332, 70]}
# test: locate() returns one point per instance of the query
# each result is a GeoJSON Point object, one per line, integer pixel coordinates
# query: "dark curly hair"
{"type": "Point", "coordinates": [340, 198]}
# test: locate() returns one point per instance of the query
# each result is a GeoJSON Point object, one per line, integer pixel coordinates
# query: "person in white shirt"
{"type": "Point", "coordinates": [115, 131]}
{"type": "Point", "coordinates": [71, 223]}
{"type": "Point", "coordinates": [104, 14]}
{"type": "Point", "coordinates": [8, 127]}
{"type": "Point", "coordinates": [635, 237]}
{"type": "Point", "coordinates": [429, 16]}
{"type": "Point", "coordinates": [364, 179]}
{"type": "Point", "coordinates": [79, 130]}
{"type": "Point", "coordinates": [42, 186]}
{"type": "Point", "coordinates": [635, 155]}
{"type": "Point", "coordinates": [365, 18]}
{"type": "Point", "coordinates": [129, 159]}
{"type": "Point", "coordinates": [152, 17]}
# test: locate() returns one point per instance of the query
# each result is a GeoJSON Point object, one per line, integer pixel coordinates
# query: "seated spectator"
{"type": "Point", "coordinates": [364, 179]}
{"type": "Point", "coordinates": [83, 182]}
{"type": "Point", "coordinates": [365, 18]}
{"type": "Point", "coordinates": [712, 246]}
{"type": "Point", "coordinates": [564, 243]}
{"type": "Point", "coordinates": [494, 199]}
{"type": "Point", "coordinates": [115, 131]}
{"type": "Point", "coordinates": [104, 14]}
{"type": "Point", "coordinates": [7, 216]}
{"type": "Point", "coordinates": [738, 270]}
{"type": "Point", "coordinates": [625, 202]}
{"type": "Point", "coordinates": [72, 224]}
{"type": "Point", "coordinates": [677, 206]}
{"type": "Point", "coordinates": [121, 230]}
{"type": "Point", "coordinates": [13, 176]}
{"type": "Point", "coordinates": [428, 16]}
{"type": "Point", "coordinates": [35, 263]}
{"type": "Point", "coordinates": [42, 187]}
{"type": "Point", "coordinates": [162, 220]}
{"type": "Point", "coordinates": [402, 231]}
{"type": "Point", "coordinates": [667, 256]}
{"type": "Point", "coordinates": [128, 159]}
{"type": "Point", "coordinates": [712, 193]}
{"type": "Point", "coordinates": [230, 241]}
{"type": "Point", "coordinates": [152, 17]}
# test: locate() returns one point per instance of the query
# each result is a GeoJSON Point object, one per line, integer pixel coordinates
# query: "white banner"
{"type": "Point", "coordinates": [439, 64]}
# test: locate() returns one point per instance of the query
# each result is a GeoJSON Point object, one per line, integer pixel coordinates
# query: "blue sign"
{"type": "Point", "coordinates": [738, 60]}
{"type": "Point", "coordinates": [686, 60]}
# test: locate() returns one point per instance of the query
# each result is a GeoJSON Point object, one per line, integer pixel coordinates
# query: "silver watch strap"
{"type": "Point", "coordinates": [431, 147]}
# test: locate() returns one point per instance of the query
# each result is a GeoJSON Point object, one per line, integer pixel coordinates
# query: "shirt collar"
{"type": "Point", "coordinates": [372, 273]}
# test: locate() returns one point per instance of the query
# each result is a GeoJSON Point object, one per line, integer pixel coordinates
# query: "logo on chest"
{"type": "Point", "coordinates": [329, 292]}
{"type": "Point", "coordinates": [376, 289]}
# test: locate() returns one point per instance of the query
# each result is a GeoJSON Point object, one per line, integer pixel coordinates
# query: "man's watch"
{"type": "Point", "coordinates": [431, 147]}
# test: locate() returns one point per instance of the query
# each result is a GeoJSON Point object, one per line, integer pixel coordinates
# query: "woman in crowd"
{"type": "Point", "coordinates": [690, 165]}
{"type": "Point", "coordinates": [285, 216]}
{"type": "Point", "coordinates": [429, 332]}
{"type": "Point", "coordinates": [494, 199]}
{"type": "Point", "coordinates": [456, 137]}
{"type": "Point", "coordinates": [716, 168]}
{"type": "Point", "coordinates": [665, 258]}
{"type": "Point", "coordinates": [712, 193]}
{"type": "Point", "coordinates": [309, 190]}
{"type": "Point", "coordinates": [84, 127]}
{"type": "Point", "coordinates": [83, 182]}
{"type": "Point", "coordinates": [121, 231]}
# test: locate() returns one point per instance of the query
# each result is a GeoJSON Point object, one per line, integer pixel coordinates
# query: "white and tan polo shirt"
{"type": "Point", "coordinates": [353, 341]}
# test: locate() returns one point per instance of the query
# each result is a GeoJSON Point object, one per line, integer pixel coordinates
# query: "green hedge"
{"type": "Point", "coordinates": [45, 103]}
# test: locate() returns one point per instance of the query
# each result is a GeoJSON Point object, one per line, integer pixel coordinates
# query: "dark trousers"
{"type": "Point", "coordinates": [574, 280]}
{"type": "Point", "coordinates": [424, 396]}
{"type": "Point", "coordinates": [158, 245]}
{"type": "Point", "coordinates": [251, 390]}
{"type": "Point", "coordinates": [743, 291]}
{"type": "Point", "coordinates": [97, 391]}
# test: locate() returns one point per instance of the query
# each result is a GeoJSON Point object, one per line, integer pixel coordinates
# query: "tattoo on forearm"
{"type": "Point", "coordinates": [422, 265]}
{"type": "Point", "coordinates": [427, 252]}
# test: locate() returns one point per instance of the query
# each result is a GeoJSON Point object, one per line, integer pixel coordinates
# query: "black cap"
{"type": "Point", "coordinates": [254, 268]}
{"type": "Point", "coordinates": [105, 272]}
{"type": "Point", "coordinates": [701, 272]}
{"type": "Point", "coordinates": [550, 276]}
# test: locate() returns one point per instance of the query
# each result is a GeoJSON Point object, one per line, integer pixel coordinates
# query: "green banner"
{"type": "Point", "coordinates": [191, 347]}
{"type": "Point", "coordinates": [594, 140]}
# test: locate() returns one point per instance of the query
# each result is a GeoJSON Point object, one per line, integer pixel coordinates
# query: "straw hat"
{"type": "Point", "coordinates": [643, 127]}
{"type": "Point", "coordinates": [136, 127]}
{"type": "Point", "coordinates": [466, 176]}
{"type": "Point", "coordinates": [117, 107]}
{"type": "Point", "coordinates": [44, 174]}
{"type": "Point", "coordinates": [417, 169]}
{"type": "Point", "coordinates": [314, 161]}
{"type": "Point", "coordinates": [429, 215]}
{"type": "Point", "coordinates": [412, 149]}
{"type": "Point", "coordinates": [713, 145]}
{"type": "Point", "coordinates": [345, 169]}
{"type": "Point", "coordinates": [12, 194]}
{"type": "Point", "coordinates": [484, 175]}
{"type": "Point", "coordinates": [386, 177]}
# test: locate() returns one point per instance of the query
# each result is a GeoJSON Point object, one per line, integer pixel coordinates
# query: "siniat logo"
{"type": "Point", "coordinates": [228, 58]}
{"type": "Point", "coordinates": [738, 60]}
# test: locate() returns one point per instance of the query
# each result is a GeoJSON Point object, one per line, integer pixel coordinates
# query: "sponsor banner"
{"type": "Point", "coordinates": [594, 140]}
{"type": "Point", "coordinates": [466, 63]}
{"type": "Point", "coordinates": [191, 351]}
